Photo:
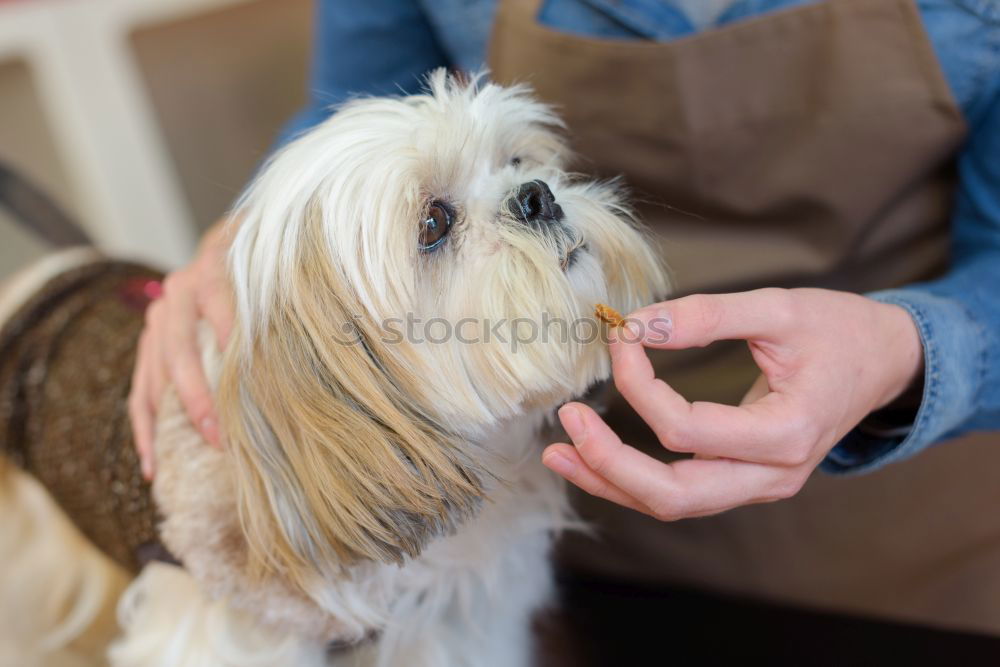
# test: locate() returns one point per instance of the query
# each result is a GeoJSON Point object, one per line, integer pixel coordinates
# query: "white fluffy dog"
{"type": "Point", "coordinates": [415, 281]}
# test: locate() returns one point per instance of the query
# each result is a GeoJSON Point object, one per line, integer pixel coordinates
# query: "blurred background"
{"type": "Point", "coordinates": [144, 119]}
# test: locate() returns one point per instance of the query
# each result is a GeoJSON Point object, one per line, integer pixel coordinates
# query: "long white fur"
{"type": "Point", "coordinates": [170, 621]}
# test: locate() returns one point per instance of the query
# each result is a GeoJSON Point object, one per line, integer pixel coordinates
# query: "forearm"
{"type": "Point", "coordinates": [958, 318]}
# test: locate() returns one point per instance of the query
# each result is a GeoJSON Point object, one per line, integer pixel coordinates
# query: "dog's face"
{"type": "Point", "coordinates": [408, 275]}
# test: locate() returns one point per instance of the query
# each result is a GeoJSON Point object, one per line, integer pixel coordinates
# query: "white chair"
{"type": "Point", "coordinates": [105, 130]}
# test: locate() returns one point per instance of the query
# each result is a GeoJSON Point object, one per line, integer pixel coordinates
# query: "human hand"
{"type": "Point", "coordinates": [168, 351]}
{"type": "Point", "coordinates": [827, 359]}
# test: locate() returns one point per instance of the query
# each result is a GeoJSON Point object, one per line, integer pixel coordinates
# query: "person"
{"type": "Point", "coordinates": [789, 155]}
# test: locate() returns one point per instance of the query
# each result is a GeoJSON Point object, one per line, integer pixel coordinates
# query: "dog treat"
{"type": "Point", "coordinates": [609, 315]}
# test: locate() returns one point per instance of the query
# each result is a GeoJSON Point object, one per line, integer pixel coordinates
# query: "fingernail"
{"type": "Point", "coordinates": [560, 464]}
{"type": "Point", "coordinates": [631, 332]}
{"type": "Point", "coordinates": [147, 469]}
{"type": "Point", "coordinates": [210, 429]}
{"type": "Point", "coordinates": [634, 328]}
{"type": "Point", "coordinates": [572, 421]}
{"type": "Point", "coordinates": [659, 327]}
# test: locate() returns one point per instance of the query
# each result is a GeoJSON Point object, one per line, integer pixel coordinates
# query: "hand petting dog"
{"type": "Point", "coordinates": [827, 360]}
{"type": "Point", "coordinates": [169, 350]}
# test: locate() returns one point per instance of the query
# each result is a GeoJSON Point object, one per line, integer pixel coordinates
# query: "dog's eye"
{"type": "Point", "coordinates": [515, 161]}
{"type": "Point", "coordinates": [435, 226]}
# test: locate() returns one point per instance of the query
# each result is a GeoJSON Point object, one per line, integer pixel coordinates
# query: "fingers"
{"type": "Point", "coordinates": [701, 319]}
{"type": "Point", "coordinates": [760, 432]}
{"type": "Point", "coordinates": [566, 461]}
{"type": "Point", "coordinates": [214, 296]}
{"type": "Point", "coordinates": [605, 454]}
{"type": "Point", "coordinates": [688, 488]}
{"type": "Point", "coordinates": [140, 408]}
{"type": "Point", "coordinates": [148, 382]}
{"type": "Point", "coordinates": [185, 368]}
{"type": "Point", "coordinates": [216, 306]}
{"type": "Point", "coordinates": [702, 487]}
{"type": "Point", "coordinates": [168, 353]}
{"type": "Point", "coordinates": [169, 350]}
{"type": "Point", "coordinates": [218, 309]}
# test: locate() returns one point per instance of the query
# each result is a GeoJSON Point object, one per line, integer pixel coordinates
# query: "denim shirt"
{"type": "Point", "coordinates": [385, 46]}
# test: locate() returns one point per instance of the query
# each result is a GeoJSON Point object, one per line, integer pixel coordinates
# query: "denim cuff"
{"type": "Point", "coordinates": [952, 342]}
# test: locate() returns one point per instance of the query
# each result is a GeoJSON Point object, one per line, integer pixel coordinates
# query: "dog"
{"type": "Point", "coordinates": [414, 282]}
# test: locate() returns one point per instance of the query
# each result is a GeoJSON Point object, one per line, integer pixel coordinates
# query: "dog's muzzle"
{"type": "Point", "coordinates": [534, 205]}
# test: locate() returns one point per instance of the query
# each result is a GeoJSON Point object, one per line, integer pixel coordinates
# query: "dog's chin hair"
{"type": "Point", "coordinates": [344, 453]}
{"type": "Point", "coordinates": [529, 285]}
{"type": "Point", "coordinates": [528, 288]}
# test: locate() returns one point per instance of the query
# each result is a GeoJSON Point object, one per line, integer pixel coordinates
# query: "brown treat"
{"type": "Point", "coordinates": [609, 315]}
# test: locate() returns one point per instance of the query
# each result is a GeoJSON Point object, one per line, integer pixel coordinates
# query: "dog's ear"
{"type": "Point", "coordinates": [335, 462]}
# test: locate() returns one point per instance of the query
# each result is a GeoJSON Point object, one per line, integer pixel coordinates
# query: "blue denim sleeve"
{"type": "Point", "coordinates": [958, 317]}
{"type": "Point", "coordinates": [378, 47]}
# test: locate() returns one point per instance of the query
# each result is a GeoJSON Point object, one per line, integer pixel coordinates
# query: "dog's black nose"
{"type": "Point", "coordinates": [534, 203]}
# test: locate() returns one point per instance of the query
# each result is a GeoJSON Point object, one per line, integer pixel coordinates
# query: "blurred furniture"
{"type": "Point", "coordinates": [104, 127]}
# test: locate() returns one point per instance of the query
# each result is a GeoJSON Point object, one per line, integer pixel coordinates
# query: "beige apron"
{"type": "Point", "coordinates": [810, 146]}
